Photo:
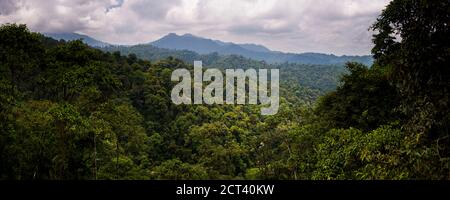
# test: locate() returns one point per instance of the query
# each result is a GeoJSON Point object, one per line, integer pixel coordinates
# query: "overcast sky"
{"type": "Point", "coordinates": [326, 26]}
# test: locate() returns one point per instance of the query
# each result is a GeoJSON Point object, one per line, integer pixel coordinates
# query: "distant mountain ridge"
{"type": "Point", "coordinates": [202, 45]}
{"type": "Point", "coordinates": [75, 36]}
{"type": "Point", "coordinates": [255, 47]}
{"type": "Point", "coordinates": [258, 52]}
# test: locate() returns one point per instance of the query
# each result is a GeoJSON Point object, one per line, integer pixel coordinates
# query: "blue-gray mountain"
{"type": "Point", "coordinates": [201, 45]}
{"type": "Point", "coordinates": [253, 51]}
{"type": "Point", "coordinates": [75, 36]}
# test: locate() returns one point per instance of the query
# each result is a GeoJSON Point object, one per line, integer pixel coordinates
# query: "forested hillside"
{"type": "Point", "coordinates": [70, 111]}
{"type": "Point", "coordinates": [311, 80]}
{"type": "Point", "coordinates": [75, 36]}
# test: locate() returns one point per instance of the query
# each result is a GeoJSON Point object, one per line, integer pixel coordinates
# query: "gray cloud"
{"type": "Point", "coordinates": [118, 5]}
{"type": "Point", "coordinates": [8, 6]}
{"type": "Point", "coordinates": [155, 9]}
{"type": "Point", "coordinates": [58, 16]}
{"type": "Point", "coordinates": [330, 26]}
{"type": "Point", "coordinates": [265, 27]}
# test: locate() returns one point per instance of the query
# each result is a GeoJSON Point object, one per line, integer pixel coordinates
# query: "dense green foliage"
{"type": "Point", "coordinates": [320, 77]}
{"type": "Point", "coordinates": [69, 111]}
{"type": "Point", "coordinates": [365, 100]}
{"type": "Point", "coordinates": [419, 62]}
{"type": "Point", "coordinates": [300, 84]}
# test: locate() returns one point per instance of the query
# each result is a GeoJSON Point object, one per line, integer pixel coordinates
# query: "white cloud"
{"type": "Point", "coordinates": [330, 26]}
